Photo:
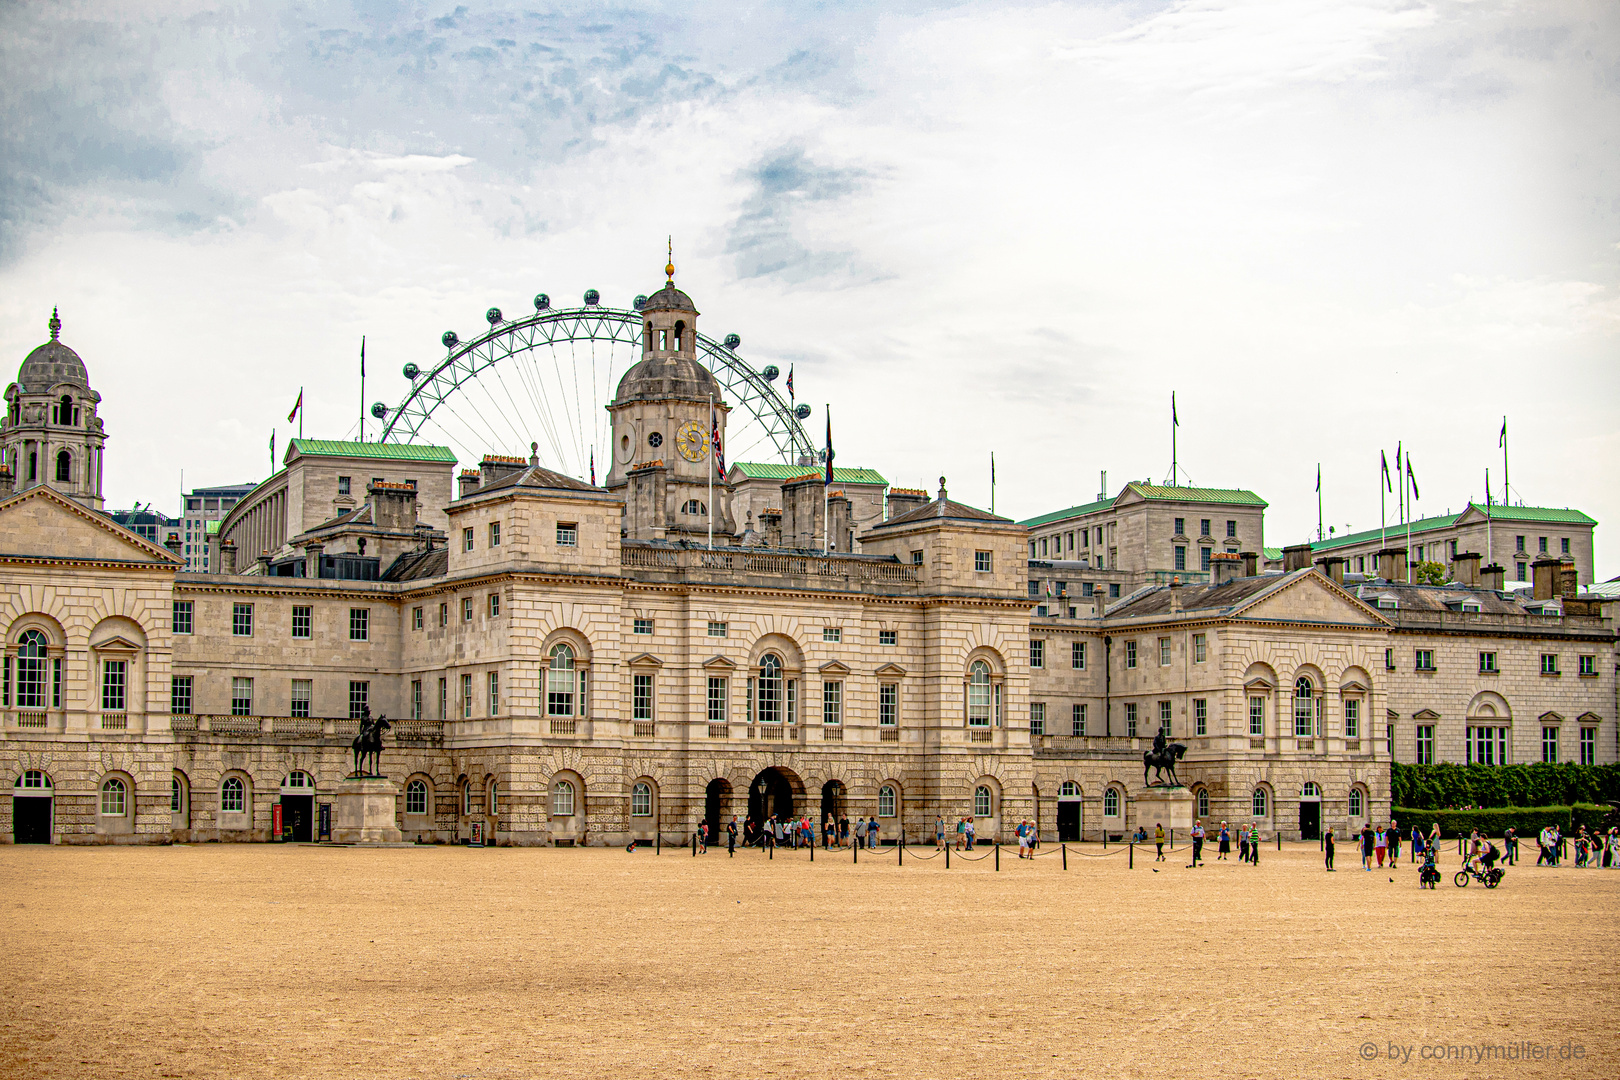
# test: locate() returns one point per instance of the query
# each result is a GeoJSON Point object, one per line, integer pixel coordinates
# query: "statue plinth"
{"type": "Point", "coordinates": [1171, 807]}
{"type": "Point", "coordinates": [365, 811]}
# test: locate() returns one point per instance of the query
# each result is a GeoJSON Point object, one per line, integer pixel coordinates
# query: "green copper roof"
{"type": "Point", "coordinates": [385, 451]}
{"type": "Point", "coordinates": [1270, 554]}
{"type": "Point", "coordinates": [1549, 514]}
{"type": "Point", "coordinates": [765, 470]}
{"type": "Point", "coordinates": [1395, 534]}
{"type": "Point", "coordinates": [1157, 493]}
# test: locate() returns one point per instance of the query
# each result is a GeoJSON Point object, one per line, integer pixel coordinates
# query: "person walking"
{"type": "Point", "coordinates": [1545, 840]}
{"type": "Point", "coordinates": [1198, 842]}
{"type": "Point", "coordinates": [1224, 844]}
{"type": "Point", "coordinates": [860, 831]}
{"type": "Point", "coordinates": [1510, 845]}
{"type": "Point", "coordinates": [1433, 843]}
{"type": "Point", "coordinates": [1158, 840]}
{"type": "Point", "coordinates": [1327, 846]}
{"type": "Point", "coordinates": [768, 833]}
{"type": "Point", "coordinates": [703, 838]}
{"type": "Point", "coordinates": [967, 835]}
{"type": "Point", "coordinates": [1380, 845]}
{"type": "Point", "coordinates": [843, 830]}
{"type": "Point", "coordinates": [874, 832]}
{"type": "Point", "coordinates": [939, 833]}
{"type": "Point", "coordinates": [1243, 844]}
{"type": "Point", "coordinates": [731, 835]}
{"type": "Point", "coordinates": [1393, 835]}
{"type": "Point", "coordinates": [1367, 842]}
{"type": "Point", "coordinates": [1254, 844]}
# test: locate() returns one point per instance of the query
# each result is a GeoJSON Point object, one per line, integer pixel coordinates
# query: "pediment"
{"type": "Point", "coordinates": [43, 522]}
{"type": "Point", "coordinates": [645, 659]}
{"type": "Point", "coordinates": [1590, 718]}
{"type": "Point", "coordinates": [1552, 717]}
{"type": "Point", "coordinates": [1310, 597]}
{"type": "Point", "coordinates": [719, 663]}
{"type": "Point", "coordinates": [1425, 714]}
{"type": "Point", "coordinates": [890, 669]}
{"type": "Point", "coordinates": [1260, 682]}
{"type": "Point", "coordinates": [834, 667]}
{"type": "Point", "coordinates": [117, 644]}
{"type": "Point", "coordinates": [1355, 686]}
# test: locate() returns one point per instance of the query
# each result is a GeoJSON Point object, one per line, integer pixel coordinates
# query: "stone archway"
{"type": "Point", "coordinates": [833, 796]}
{"type": "Point", "coordinates": [717, 808]}
{"type": "Point", "coordinates": [775, 791]}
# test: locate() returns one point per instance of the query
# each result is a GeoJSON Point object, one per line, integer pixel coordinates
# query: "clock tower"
{"type": "Point", "coordinates": [662, 457]}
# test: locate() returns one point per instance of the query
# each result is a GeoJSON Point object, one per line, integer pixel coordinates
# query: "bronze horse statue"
{"type": "Point", "coordinates": [368, 743]}
{"type": "Point", "coordinates": [1163, 761]}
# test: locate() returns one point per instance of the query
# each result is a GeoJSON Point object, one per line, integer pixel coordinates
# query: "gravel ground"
{"type": "Point", "coordinates": [260, 961]}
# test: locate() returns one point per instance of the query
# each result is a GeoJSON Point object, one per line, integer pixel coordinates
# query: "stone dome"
{"type": "Point", "coordinates": [665, 377]}
{"type": "Point", "coordinates": [52, 363]}
{"type": "Point", "coordinates": [669, 298]}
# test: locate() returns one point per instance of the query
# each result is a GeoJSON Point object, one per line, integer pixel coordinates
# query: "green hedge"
{"type": "Point", "coordinates": [1450, 786]}
{"type": "Point", "coordinates": [1527, 820]}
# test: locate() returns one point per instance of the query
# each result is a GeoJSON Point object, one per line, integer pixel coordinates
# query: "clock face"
{"type": "Point", "coordinates": [655, 440]}
{"type": "Point", "coordinates": [692, 441]}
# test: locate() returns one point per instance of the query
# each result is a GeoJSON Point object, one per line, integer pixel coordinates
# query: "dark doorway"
{"type": "Point", "coordinates": [832, 802]}
{"type": "Point", "coordinates": [1069, 820]}
{"type": "Point", "coordinates": [1310, 821]}
{"type": "Point", "coordinates": [717, 808]}
{"type": "Point", "coordinates": [298, 817]}
{"type": "Point", "coordinates": [771, 793]}
{"type": "Point", "coordinates": [31, 820]}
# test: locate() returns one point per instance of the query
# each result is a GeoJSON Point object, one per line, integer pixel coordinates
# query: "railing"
{"type": "Point", "coordinates": [769, 731]}
{"type": "Point", "coordinates": [295, 725]}
{"type": "Point", "coordinates": [978, 735]}
{"type": "Point", "coordinates": [1352, 746]}
{"type": "Point", "coordinates": [888, 734]}
{"type": "Point", "coordinates": [31, 719]}
{"type": "Point", "coordinates": [1257, 744]}
{"type": "Point", "coordinates": [854, 568]}
{"type": "Point", "coordinates": [114, 721]}
{"type": "Point", "coordinates": [417, 731]}
{"type": "Point", "coordinates": [236, 725]}
{"type": "Point", "coordinates": [643, 729]}
{"type": "Point", "coordinates": [563, 727]}
{"type": "Point", "coordinates": [719, 731]}
{"type": "Point", "coordinates": [832, 734]}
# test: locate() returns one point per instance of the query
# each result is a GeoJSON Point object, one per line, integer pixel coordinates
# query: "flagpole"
{"type": "Point", "coordinates": [362, 388]}
{"type": "Point", "coordinates": [301, 410]}
{"type": "Point", "coordinates": [1409, 523]}
{"type": "Point", "coordinates": [1507, 491]}
{"type": "Point", "coordinates": [711, 472]}
{"type": "Point", "coordinates": [1318, 502]}
{"type": "Point", "coordinates": [826, 526]}
{"type": "Point", "coordinates": [1383, 482]}
{"type": "Point", "coordinates": [992, 481]}
{"type": "Point", "coordinates": [1489, 554]}
{"type": "Point", "coordinates": [1174, 423]}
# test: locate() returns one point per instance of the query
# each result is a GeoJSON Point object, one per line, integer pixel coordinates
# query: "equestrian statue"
{"type": "Point", "coordinates": [369, 743]}
{"type": "Point", "coordinates": [1162, 758]}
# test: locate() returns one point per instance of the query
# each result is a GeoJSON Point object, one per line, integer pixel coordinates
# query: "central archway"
{"type": "Point", "coordinates": [832, 800]}
{"type": "Point", "coordinates": [774, 792]}
{"type": "Point", "coordinates": [717, 807]}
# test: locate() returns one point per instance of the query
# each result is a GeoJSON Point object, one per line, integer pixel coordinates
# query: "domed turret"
{"type": "Point", "coordinates": [52, 363]}
{"type": "Point", "coordinates": [664, 377]}
{"type": "Point", "coordinates": [50, 433]}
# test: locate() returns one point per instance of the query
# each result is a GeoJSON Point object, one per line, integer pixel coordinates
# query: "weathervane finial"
{"type": "Point", "coordinates": [669, 267]}
{"type": "Point", "coordinates": [55, 324]}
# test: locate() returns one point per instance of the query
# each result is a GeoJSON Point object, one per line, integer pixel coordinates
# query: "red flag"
{"type": "Point", "coordinates": [299, 404]}
{"type": "Point", "coordinates": [714, 436]}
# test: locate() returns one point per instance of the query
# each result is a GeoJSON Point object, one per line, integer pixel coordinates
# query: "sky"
{"type": "Point", "coordinates": [1326, 227]}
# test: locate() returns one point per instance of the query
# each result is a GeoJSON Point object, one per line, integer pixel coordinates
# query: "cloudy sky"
{"type": "Point", "coordinates": [1326, 226]}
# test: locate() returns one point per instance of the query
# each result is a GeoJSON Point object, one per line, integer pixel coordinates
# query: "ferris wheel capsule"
{"type": "Point", "coordinates": [771, 372]}
{"type": "Point", "coordinates": [411, 371]}
{"type": "Point", "coordinates": [379, 410]}
{"type": "Point", "coordinates": [802, 412]}
{"type": "Point", "coordinates": [639, 302]}
{"type": "Point", "coordinates": [493, 316]}
{"type": "Point", "coordinates": [733, 341]}
{"type": "Point", "coordinates": [592, 298]}
{"type": "Point", "coordinates": [541, 301]}
{"type": "Point", "coordinates": [449, 339]}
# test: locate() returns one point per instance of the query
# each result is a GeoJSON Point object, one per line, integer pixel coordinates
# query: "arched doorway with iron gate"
{"type": "Point", "coordinates": [775, 792]}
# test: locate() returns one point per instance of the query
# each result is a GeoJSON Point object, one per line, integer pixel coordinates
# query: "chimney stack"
{"type": "Point", "coordinates": [1544, 578]}
{"type": "Point", "coordinates": [1296, 557]}
{"type": "Point", "coordinates": [1465, 568]}
{"type": "Point", "coordinates": [227, 556]}
{"type": "Point", "coordinates": [1493, 577]}
{"type": "Point", "coordinates": [1224, 566]}
{"type": "Point", "coordinates": [1099, 597]}
{"type": "Point", "coordinates": [1392, 564]}
{"type": "Point", "coordinates": [393, 505]}
{"type": "Point", "coordinates": [1175, 596]}
{"type": "Point", "coordinates": [312, 559]}
{"type": "Point", "coordinates": [1569, 579]}
{"type": "Point", "coordinates": [1332, 566]}
{"type": "Point", "coordinates": [173, 543]}
{"type": "Point", "coordinates": [1251, 563]}
{"type": "Point", "coordinates": [264, 564]}
{"type": "Point", "coordinates": [905, 500]}
{"type": "Point", "coordinates": [467, 483]}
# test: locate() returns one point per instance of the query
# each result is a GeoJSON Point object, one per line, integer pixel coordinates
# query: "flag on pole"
{"type": "Point", "coordinates": [790, 384]}
{"type": "Point", "coordinates": [272, 449]}
{"type": "Point", "coordinates": [1383, 464]}
{"type": "Point", "coordinates": [299, 404]}
{"type": "Point", "coordinates": [593, 466]}
{"type": "Point", "coordinates": [1501, 440]}
{"type": "Point", "coordinates": [1174, 420]}
{"type": "Point", "coordinates": [1318, 476]}
{"type": "Point", "coordinates": [829, 447]}
{"type": "Point", "coordinates": [714, 441]}
{"type": "Point", "coordinates": [362, 356]}
{"type": "Point", "coordinates": [1411, 478]}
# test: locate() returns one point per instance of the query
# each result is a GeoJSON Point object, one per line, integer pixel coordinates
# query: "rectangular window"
{"type": "Point", "coordinates": [112, 685]}
{"type": "Point", "coordinates": [444, 699]}
{"type": "Point", "coordinates": [1257, 717]}
{"type": "Point", "coordinates": [832, 633]}
{"type": "Point", "coordinates": [1549, 744]}
{"type": "Point", "coordinates": [1563, 545]}
{"type": "Point", "coordinates": [1113, 591]}
{"type": "Point", "coordinates": [1200, 716]}
{"type": "Point", "coordinates": [1164, 652]}
{"type": "Point", "coordinates": [1588, 746]}
{"type": "Point", "coordinates": [359, 624]}
{"type": "Point", "coordinates": [567, 534]}
{"type": "Point", "coordinates": [981, 562]}
{"type": "Point", "coordinates": [1549, 663]}
{"type": "Point", "coordinates": [1181, 557]}
{"type": "Point", "coordinates": [56, 682]}
{"type": "Point", "coordinates": [717, 629]}
{"type": "Point", "coordinates": [494, 604]}
{"type": "Point", "coordinates": [1521, 575]}
{"type": "Point", "coordinates": [241, 697]}
{"type": "Point", "coordinates": [1425, 744]}
{"type": "Point", "coordinates": [1518, 543]}
{"type": "Point", "coordinates": [494, 693]}
{"type": "Point", "coordinates": [832, 703]}
{"type": "Point", "coordinates": [1543, 545]}
{"type": "Point", "coordinates": [888, 704]}
{"type": "Point", "coordinates": [888, 637]}
{"type": "Point", "coordinates": [494, 534]}
{"type": "Point", "coordinates": [466, 539]}
{"type": "Point", "coordinates": [641, 698]}
{"type": "Point", "coordinates": [1181, 526]}
{"type": "Point", "coordinates": [1037, 653]}
{"type": "Point", "coordinates": [444, 614]}
{"type": "Point", "coordinates": [1130, 654]}
{"type": "Point", "coordinates": [302, 621]}
{"type": "Point", "coordinates": [1130, 719]}
{"type": "Point", "coordinates": [416, 618]}
{"type": "Point", "coordinates": [1037, 718]}
{"type": "Point", "coordinates": [1165, 713]}
{"type": "Point", "coordinates": [1200, 648]}
{"type": "Point", "coordinates": [182, 616]}
{"type": "Point", "coordinates": [1352, 718]}
{"type": "Point", "coordinates": [466, 609]}
{"type": "Point", "coordinates": [5, 681]}
{"type": "Point", "coordinates": [298, 702]}
{"type": "Point", "coordinates": [1424, 659]}
{"type": "Point", "coordinates": [1487, 746]}
{"type": "Point", "coordinates": [416, 699]}
{"type": "Point", "coordinates": [1203, 526]}
{"type": "Point", "coordinates": [343, 485]}
{"type": "Point", "coordinates": [1077, 655]}
{"type": "Point", "coordinates": [1078, 721]}
{"type": "Point", "coordinates": [466, 697]}
{"type": "Point", "coordinates": [1231, 529]}
{"type": "Point", "coordinates": [359, 698]}
{"type": "Point", "coordinates": [1203, 557]}
{"type": "Point", "coordinates": [1034, 588]}
{"type": "Point", "coordinates": [1588, 665]}
{"type": "Point", "coordinates": [242, 620]}
{"type": "Point", "coordinates": [180, 695]}
{"type": "Point", "coordinates": [1487, 663]}
{"type": "Point", "coordinates": [717, 699]}
{"type": "Point", "coordinates": [1389, 659]}
{"type": "Point", "coordinates": [643, 626]}
{"type": "Point", "coordinates": [916, 558]}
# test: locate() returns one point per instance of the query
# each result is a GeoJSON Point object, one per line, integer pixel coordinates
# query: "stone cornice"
{"type": "Point", "coordinates": [82, 562]}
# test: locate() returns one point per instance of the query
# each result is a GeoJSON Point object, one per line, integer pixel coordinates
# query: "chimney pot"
{"type": "Point", "coordinates": [1251, 563]}
{"type": "Point", "coordinates": [1296, 557]}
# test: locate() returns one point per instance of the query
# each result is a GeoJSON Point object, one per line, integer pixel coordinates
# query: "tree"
{"type": "Point", "coordinates": [1429, 573]}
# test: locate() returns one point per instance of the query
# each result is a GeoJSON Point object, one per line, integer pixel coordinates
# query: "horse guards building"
{"type": "Point", "coordinates": [572, 664]}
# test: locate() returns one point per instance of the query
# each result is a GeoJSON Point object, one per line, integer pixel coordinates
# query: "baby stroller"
{"type": "Point", "coordinates": [1429, 874]}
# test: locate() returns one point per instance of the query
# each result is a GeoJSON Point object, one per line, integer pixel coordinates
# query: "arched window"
{"type": "Point", "coordinates": [177, 795]}
{"type": "Point", "coordinates": [1304, 711]}
{"type": "Point", "coordinates": [1069, 790]}
{"type": "Point", "coordinates": [979, 694]}
{"type": "Point", "coordinates": [112, 797]}
{"type": "Point", "coordinates": [31, 670]}
{"type": "Point", "coordinates": [297, 779]}
{"type": "Point", "coordinates": [1311, 791]}
{"type": "Point", "coordinates": [64, 411]}
{"type": "Point", "coordinates": [694, 506]}
{"type": "Point", "coordinates": [768, 692]}
{"type": "Point", "coordinates": [982, 801]}
{"type": "Point", "coordinates": [649, 337]}
{"type": "Point", "coordinates": [1203, 802]}
{"type": "Point", "coordinates": [680, 333]}
{"type": "Point", "coordinates": [1259, 802]}
{"type": "Point", "coordinates": [562, 799]}
{"type": "Point", "coordinates": [35, 780]}
{"type": "Point", "coordinates": [494, 798]}
{"type": "Point", "coordinates": [64, 467]}
{"type": "Point", "coordinates": [466, 798]}
{"type": "Point", "coordinates": [641, 800]}
{"type": "Point", "coordinates": [560, 682]}
{"type": "Point", "coordinates": [416, 797]}
{"type": "Point", "coordinates": [232, 796]}
{"type": "Point", "coordinates": [886, 801]}
{"type": "Point", "coordinates": [1355, 802]}
{"type": "Point", "coordinates": [1111, 802]}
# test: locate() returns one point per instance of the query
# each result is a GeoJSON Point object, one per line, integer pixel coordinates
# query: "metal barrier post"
{"type": "Point", "coordinates": [947, 856]}
{"type": "Point", "coordinates": [1065, 856]}
{"type": "Point", "coordinates": [900, 851]}
{"type": "Point", "coordinates": [812, 849]}
{"type": "Point", "coordinates": [694, 845]}
{"type": "Point", "coordinates": [1130, 856]}
{"type": "Point", "coordinates": [855, 852]}
{"type": "Point", "coordinates": [998, 854]}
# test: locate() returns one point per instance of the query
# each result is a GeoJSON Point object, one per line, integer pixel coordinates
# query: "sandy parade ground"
{"type": "Point", "coordinates": [268, 960]}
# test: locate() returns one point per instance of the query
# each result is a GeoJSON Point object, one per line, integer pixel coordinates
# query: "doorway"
{"type": "Point", "coordinates": [771, 794]}
{"type": "Point", "coordinates": [1310, 820]}
{"type": "Point", "coordinates": [717, 807]}
{"type": "Point", "coordinates": [832, 802]}
{"type": "Point", "coordinates": [1068, 820]}
{"type": "Point", "coordinates": [31, 819]}
{"type": "Point", "coordinates": [298, 817]}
